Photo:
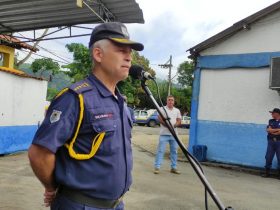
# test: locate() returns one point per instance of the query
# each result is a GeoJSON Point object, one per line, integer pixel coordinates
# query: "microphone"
{"type": "Point", "coordinates": [137, 72]}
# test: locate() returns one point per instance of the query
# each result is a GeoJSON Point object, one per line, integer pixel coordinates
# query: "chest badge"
{"type": "Point", "coordinates": [55, 116]}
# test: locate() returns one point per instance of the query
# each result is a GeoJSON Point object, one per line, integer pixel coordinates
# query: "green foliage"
{"type": "Point", "coordinates": [185, 73]}
{"type": "Point", "coordinates": [60, 81]}
{"type": "Point", "coordinates": [138, 59]}
{"type": "Point", "coordinates": [81, 67]}
{"type": "Point", "coordinates": [51, 93]}
{"type": "Point", "coordinates": [132, 88]}
{"type": "Point", "coordinates": [57, 83]}
{"type": "Point", "coordinates": [45, 64]}
{"type": "Point", "coordinates": [137, 97]}
{"type": "Point", "coordinates": [182, 96]}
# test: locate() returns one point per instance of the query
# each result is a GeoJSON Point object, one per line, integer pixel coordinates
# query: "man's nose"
{"type": "Point", "coordinates": [128, 56]}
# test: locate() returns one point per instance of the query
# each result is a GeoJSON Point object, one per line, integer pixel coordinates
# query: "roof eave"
{"type": "Point", "coordinates": [243, 24]}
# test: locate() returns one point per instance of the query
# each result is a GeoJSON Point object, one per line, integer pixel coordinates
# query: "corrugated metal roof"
{"type": "Point", "coordinates": [24, 15]}
{"type": "Point", "coordinates": [18, 73]}
{"type": "Point", "coordinates": [235, 28]}
{"type": "Point", "coordinates": [15, 43]}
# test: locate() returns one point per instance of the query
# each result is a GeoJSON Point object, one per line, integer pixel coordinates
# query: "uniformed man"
{"type": "Point", "coordinates": [273, 141]}
{"type": "Point", "coordinates": [82, 151]}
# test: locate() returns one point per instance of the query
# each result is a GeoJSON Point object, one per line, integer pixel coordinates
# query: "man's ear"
{"type": "Point", "coordinates": [97, 54]}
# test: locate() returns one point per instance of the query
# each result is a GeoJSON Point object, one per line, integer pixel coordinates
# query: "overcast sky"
{"type": "Point", "coordinates": [172, 27]}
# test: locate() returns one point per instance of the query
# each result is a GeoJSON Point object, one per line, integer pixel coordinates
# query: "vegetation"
{"type": "Point", "coordinates": [81, 66]}
{"type": "Point", "coordinates": [45, 64]}
{"type": "Point", "coordinates": [185, 73]}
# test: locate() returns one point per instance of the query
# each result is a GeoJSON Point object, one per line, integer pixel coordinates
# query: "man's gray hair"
{"type": "Point", "coordinates": [102, 44]}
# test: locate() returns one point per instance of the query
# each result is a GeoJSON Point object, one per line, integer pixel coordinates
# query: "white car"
{"type": "Point", "coordinates": [142, 116]}
{"type": "Point", "coordinates": [185, 123]}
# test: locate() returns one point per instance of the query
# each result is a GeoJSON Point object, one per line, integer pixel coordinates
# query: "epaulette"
{"type": "Point", "coordinates": [81, 87]}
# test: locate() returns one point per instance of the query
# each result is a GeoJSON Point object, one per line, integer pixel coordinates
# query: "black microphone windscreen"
{"type": "Point", "coordinates": [136, 71]}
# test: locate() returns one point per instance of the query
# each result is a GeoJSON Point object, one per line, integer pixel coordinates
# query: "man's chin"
{"type": "Point", "coordinates": [122, 77]}
{"type": "Point", "coordinates": [125, 77]}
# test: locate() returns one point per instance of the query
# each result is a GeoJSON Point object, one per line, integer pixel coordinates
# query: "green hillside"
{"type": "Point", "coordinates": [58, 81]}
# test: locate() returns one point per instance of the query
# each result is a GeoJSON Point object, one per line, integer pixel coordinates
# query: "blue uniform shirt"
{"type": "Point", "coordinates": [273, 124]}
{"type": "Point", "coordinates": [107, 175]}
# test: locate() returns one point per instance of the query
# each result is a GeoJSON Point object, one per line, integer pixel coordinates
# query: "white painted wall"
{"type": "Point", "coordinates": [236, 95]}
{"type": "Point", "coordinates": [262, 37]}
{"type": "Point", "coordinates": [22, 100]}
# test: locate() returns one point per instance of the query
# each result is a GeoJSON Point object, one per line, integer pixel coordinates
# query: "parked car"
{"type": "Point", "coordinates": [153, 120]}
{"type": "Point", "coordinates": [146, 117]}
{"type": "Point", "coordinates": [185, 123]}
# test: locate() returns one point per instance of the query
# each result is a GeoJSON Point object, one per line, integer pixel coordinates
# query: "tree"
{"type": "Point", "coordinates": [81, 65]}
{"type": "Point", "coordinates": [51, 93]}
{"type": "Point", "coordinates": [43, 65]}
{"type": "Point", "coordinates": [131, 87]}
{"type": "Point", "coordinates": [185, 73]}
{"type": "Point", "coordinates": [183, 98]}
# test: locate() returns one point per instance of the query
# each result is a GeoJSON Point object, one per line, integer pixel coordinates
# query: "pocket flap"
{"type": "Point", "coordinates": [100, 126]}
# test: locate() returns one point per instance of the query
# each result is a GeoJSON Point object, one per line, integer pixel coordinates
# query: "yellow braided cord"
{"type": "Point", "coordinates": [94, 147]}
{"type": "Point", "coordinates": [61, 92]}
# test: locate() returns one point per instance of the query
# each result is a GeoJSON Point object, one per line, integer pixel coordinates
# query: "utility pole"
{"type": "Point", "coordinates": [168, 64]}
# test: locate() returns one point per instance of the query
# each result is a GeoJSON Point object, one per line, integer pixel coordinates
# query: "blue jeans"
{"type": "Point", "coordinates": [272, 148]}
{"type": "Point", "coordinates": [63, 203]}
{"type": "Point", "coordinates": [163, 139]}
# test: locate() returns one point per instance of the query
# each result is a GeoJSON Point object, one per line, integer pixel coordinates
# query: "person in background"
{"type": "Point", "coordinates": [82, 151]}
{"type": "Point", "coordinates": [273, 141]}
{"type": "Point", "coordinates": [166, 137]}
{"type": "Point", "coordinates": [130, 109]}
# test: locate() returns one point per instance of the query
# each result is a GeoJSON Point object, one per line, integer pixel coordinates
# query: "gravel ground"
{"type": "Point", "coordinates": [20, 190]}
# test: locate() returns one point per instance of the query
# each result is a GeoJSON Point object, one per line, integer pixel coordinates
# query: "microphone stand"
{"type": "Point", "coordinates": [195, 166]}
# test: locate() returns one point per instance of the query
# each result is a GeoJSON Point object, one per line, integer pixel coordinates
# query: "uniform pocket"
{"type": "Point", "coordinates": [109, 144]}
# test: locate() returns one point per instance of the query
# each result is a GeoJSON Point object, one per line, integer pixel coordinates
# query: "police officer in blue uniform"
{"type": "Point", "coordinates": [273, 141]}
{"type": "Point", "coordinates": [82, 151]}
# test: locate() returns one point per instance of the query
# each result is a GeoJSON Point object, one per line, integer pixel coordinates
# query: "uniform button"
{"type": "Point", "coordinates": [115, 126]}
{"type": "Point", "coordinates": [98, 129]}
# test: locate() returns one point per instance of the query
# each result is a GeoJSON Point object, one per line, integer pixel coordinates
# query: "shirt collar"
{"type": "Point", "coordinates": [100, 86]}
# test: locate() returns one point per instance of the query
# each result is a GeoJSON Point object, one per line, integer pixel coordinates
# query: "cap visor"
{"type": "Point", "coordinates": [134, 45]}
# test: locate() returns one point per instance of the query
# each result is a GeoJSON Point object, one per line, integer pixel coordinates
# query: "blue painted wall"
{"type": "Point", "coordinates": [234, 143]}
{"type": "Point", "coordinates": [194, 109]}
{"type": "Point", "coordinates": [16, 138]}
{"type": "Point", "coordinates": [249, 60]}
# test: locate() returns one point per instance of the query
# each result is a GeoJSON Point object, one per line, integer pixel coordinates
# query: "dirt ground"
{"type": "Point", "coordinates": [20, 190]}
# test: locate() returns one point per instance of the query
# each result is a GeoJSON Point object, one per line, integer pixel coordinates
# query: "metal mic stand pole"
{"type": "Point", "coordinates": [181, 145]}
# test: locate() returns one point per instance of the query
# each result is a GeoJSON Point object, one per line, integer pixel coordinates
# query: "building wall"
{"type": "Point", "coordinates": [21, 110]}
{"type": "Point", "coordinates": [231, 98]}
{"type": "Point", "coordinates": [233, 112]}
{"type": "Point", "coordinates": [236, 95]}
{"type": "Point", "coordinates": [262, 37]}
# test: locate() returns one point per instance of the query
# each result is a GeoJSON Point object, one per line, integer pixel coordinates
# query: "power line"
{"type": "Point", "coordinates": [52, 53]}
{"type": "Point", "coordinates": [25, 51]}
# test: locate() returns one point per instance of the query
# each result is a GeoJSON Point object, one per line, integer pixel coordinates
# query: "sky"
{"type": "Point", "coordinates": [171, 28]}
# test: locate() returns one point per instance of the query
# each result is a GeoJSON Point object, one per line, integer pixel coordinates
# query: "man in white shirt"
{"type": "Point", "coordinates": [165, 136]}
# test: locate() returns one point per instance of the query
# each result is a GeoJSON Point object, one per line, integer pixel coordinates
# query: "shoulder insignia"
{"type": "Point", "coordinates": [81, 87]}
{"type": "Point", "coordinates": [55, 116]}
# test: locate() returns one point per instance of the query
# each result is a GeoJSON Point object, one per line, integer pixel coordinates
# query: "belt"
{"type": "Point", "coordinates": [275, 139]}
{"type": "Point", "coordinates": [77, 196]}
